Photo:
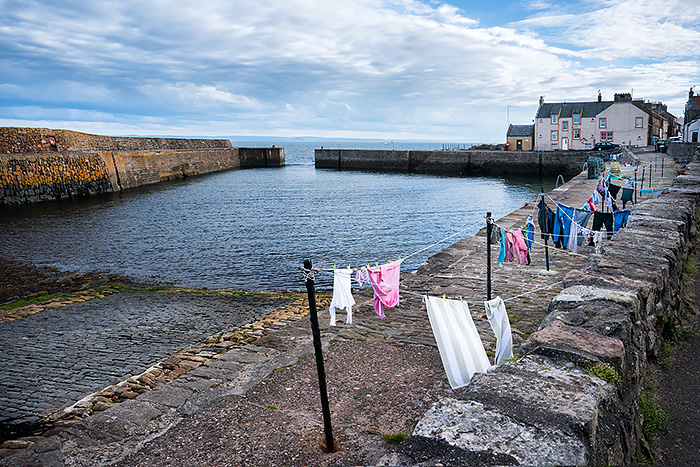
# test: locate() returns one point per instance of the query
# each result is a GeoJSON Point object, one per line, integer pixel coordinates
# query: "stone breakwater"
{"type": "Point", "coordinates": [31, 178]}
{"type": "Point", "coordinates": [463, 162]}
{"type": "Point", "coordinates": [572, 397]}
{"type": "Point", "coordinates": [39, 164]}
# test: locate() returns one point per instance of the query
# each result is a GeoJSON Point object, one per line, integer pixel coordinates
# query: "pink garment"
{"type": "Point", "coordinates": [519, 246]}
{"type": "Point", "coordinates": [510, 247]}
{"type": "Point", "coordinates": [385, 282]}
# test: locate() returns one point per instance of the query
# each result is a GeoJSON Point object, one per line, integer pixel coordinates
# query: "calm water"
{"type": "Point", "coordinates": [253, 228]}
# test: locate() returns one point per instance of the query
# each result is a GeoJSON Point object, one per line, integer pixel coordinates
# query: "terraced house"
{"type": "Point", "coordinates": [580, 125]}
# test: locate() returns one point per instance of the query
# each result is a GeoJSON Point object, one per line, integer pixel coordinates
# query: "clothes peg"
{"type": "Point", "coordinates": [334, 267]}
{"type": "Point", "coordinates": [443, 297]}
{"type": "Point", "coordinates": [377, 264]}
{"type": "Point", "coordinates": [349, 268]}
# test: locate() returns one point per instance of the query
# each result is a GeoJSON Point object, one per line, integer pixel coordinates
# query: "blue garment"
{"type": "Point", "coordinates": [530, 233]}
{"type": "Point", "coordinates": [502, 251]}
{"type": "Point", "coordinates": [581, 217]}
{"type": "Point", "coordinates": [620, 219]}
{"type": "Point", "coordinates": [562, 224]}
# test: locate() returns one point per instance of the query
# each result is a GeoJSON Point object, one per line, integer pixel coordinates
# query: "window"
{"type": "Point", "coordinates": [554, 146]}
{"type": "Point", "coordinates": [554, 136]}
{"type": "Point", "coordinates": [577, 119]}
{"type": "Point", "coordinates": [577, 133]}
{"type": "Point", "coordinates": [554, 118]}
{"type": "Point", "coordinates": [588, 145]}
{"type": "Point", "coordinates": [603, 122]}
{"type": "Point", "coordinates": [639, 122]}
{"type": "Point", "coordinates": [564, 125]}
{"type": "Point", "coordinates": [606, 136]}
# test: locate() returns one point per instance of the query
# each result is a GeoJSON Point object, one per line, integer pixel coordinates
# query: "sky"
{"type": "Point", "coordinates": [457, 71]}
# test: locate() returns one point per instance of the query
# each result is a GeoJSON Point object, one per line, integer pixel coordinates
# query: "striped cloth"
{"type": "Point", "coordinates": [461, 350]}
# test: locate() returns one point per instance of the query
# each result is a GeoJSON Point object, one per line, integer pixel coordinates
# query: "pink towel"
{"type": "Point", "coordinates": [385, 282]}
{"type": "Point", "coordinates": [519, 246]}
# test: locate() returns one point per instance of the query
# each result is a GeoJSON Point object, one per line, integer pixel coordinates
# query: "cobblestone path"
{"type": "Point", "coordinates": [56, 357]}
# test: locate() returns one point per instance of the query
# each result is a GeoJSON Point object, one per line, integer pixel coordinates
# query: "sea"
{"type": "Point", "coordinates": [253, 229]}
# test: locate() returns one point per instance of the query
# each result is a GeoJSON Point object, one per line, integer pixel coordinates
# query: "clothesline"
{"type": "Point", "coordinates": [543, 244]}
{"type": "Point", "coordinates": [403, 258]}
{"type": "Point", "coordinates": [423, 294]}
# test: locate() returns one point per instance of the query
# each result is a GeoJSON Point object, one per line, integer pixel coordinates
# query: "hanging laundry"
{"type": "Point", "coordinates": [385, 282]}
{"type": "Point", "coordinates": [510, 246]}
{"type": "Point", "coordinates": [520, 247]}
{"type": "Point", "coordinates": [529, 232]}
{"type": "Point", "coordinates": [342, 294]}
{"type": "Point", "coordinates": [502, 250]}
{"type": "Point", "coordinates": [461, 350]}
{"type": "Point", "coordinates": [362, 276]}
{"type": "Point", "coordinates": [545, 219]}
{"type": "Point", "coordinates": [626, 196]}
{"type": "Point", "coordinates": [601, 219]}
{"type": "Point", "coordinates": [591, 204]}
{"type": "Point", "coordinates": [596, 197]}
{"type": "Point", "coordinates": [621, 218]}
{"type": "Point", "coordinates": [609, 201]}
{"type": "Point", "coordinates": [577, 236]}
{"type": "Point", "coordinates": [562, 224]}
{"type": "Point", "coordinates": [601, 189]}
{"type": "Point", "coordinates": [498, 319]}
{"type": "Point", "coordinates": [597, 241]}
{"type": "Point", "coordinates": [629, 183]}
{"type": "Point", "coordinates": [613, 190]}
{"type": "Point", "coordinates": [581, 217]}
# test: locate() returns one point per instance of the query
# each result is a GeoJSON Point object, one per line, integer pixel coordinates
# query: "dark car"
{"type": "Point", "coordinates": [604, 146]}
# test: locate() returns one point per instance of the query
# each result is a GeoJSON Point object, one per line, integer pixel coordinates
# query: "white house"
{"type": "Point", "coordinates": [691, 130]}
{"type": "Point", "coordinates": [579, 125]}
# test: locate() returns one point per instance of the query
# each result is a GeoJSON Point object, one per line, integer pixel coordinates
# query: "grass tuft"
{"type": "Point", "coordinates": [395, 438]}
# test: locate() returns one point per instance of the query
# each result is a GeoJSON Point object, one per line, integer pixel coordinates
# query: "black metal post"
{"type": "Point", "coordinates": [489, 227]}
{"type": "Point", "coordinates": [635, 185]}
{"type": "Point", "coordinates": [662, 166]}
{"type": "Point", "coordinates": [546, 247]}
{"type": "Point", "coordinates": [642, 182]}
{"type": "Point", "coordinates": [319, 358]}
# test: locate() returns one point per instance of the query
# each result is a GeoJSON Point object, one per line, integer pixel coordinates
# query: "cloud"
{"type": "Point", "coordinates": [394, 67]}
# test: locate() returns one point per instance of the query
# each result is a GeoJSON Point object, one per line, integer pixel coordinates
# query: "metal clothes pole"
{"type": "Point", "coordinates": [319, 358]}
{"type": "Point", "coordinates": [546, 247]}
{"type": "Point", "coordinates": [635, 185]}
{"type": "Point", "coordinates": [489, 227]}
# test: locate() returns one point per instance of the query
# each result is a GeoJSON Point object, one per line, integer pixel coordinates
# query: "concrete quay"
{"type": "Point", "coordinates": [257, 404]}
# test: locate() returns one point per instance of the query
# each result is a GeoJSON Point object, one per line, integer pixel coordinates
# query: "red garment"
{"type": "Point", "coordinates": [590, 203]}
{"type": "Point", "coordinates": [510, 253]}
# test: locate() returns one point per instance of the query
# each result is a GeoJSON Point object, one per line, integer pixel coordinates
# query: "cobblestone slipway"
{"type": "Point", "coordinates": [54, 358]}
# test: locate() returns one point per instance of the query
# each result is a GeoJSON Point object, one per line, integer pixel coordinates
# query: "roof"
{"type": "Point", "coordinates": [520, 130]}
{"type": "Point", "coordinates": [567, 109]}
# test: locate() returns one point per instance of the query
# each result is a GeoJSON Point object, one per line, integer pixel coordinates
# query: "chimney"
{"type": "Point", "coordinates": [690, 94]}
{"type": "Point", "coordinates": [542, 99]}
{"type": "Point", "coordinates": [600, 96]}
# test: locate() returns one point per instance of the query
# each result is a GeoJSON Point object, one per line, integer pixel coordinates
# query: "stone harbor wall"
{"type": "Point", "coordinates": [572, 395]}
{"type": "Point", "coordinates": [461, 162]}
{"type": "Point", "coordinates": [40, 164]}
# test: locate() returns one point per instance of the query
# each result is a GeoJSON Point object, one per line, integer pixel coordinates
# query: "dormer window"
{"type": "Point", "coordinates": [577, 119]}
{"type": "Point", "coordinates": [554, 118]}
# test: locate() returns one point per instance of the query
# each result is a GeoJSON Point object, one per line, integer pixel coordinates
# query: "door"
{"type": "Point", "coordinates": [518, 145]}
{"type": "Point", "coordinates": [565, 143]}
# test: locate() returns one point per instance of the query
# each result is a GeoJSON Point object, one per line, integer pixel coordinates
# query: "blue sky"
{"type": "Point", "coordinates": [379, 69]}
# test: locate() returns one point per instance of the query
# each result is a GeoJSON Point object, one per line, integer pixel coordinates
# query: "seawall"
{"type": "Point", "coordinates": [40, 164]}
{"type": "Point", "coordinates": [463, 162]}
{"type": "Point", "coordinates": [572, 395]}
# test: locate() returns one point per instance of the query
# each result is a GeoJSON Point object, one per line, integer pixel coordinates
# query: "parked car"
{"type": "Point", "coordinates": [675, 139]}
{"type": "Point", "coordinates": [605, 146]}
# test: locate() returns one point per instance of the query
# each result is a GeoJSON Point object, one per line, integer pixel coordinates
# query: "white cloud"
{"type": "Point", "coordinates": [318, 66]}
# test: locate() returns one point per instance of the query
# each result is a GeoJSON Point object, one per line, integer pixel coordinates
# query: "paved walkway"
{"type": "Point", "coordinates": [382, 374]}
{"type": "Point", "coordinates": [55, 358]}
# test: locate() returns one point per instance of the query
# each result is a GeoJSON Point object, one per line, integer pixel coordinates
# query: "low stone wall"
{"type": "Point", "coordinates": [572, 398]}
{"type": "Point", "coordinates": [684, 152]}
{"type": "Point", "coordinates": [39, 164]}
{"type": "Point", "coordinates": [463, 162]}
